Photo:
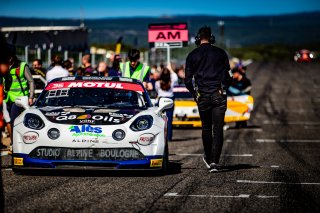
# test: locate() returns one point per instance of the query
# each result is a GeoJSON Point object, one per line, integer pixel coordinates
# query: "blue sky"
{"type": "Point", "coordinates": [128, 8]}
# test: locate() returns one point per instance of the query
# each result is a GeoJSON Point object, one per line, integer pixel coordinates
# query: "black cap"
{"type": "Point", "coordinates": [134, 55]}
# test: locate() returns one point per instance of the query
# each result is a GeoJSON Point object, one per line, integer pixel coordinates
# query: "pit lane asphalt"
{"type": "Point", "coordinates": [271, 166]}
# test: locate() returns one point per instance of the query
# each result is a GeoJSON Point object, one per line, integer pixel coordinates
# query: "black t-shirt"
{"type": "Point", "coordinates": [209, 65]}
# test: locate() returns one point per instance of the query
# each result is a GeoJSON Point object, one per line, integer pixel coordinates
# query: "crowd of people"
{"type": "Point", "coordinates": [206, 75]}
{"type": "Point", "coordinates": [21, 81]}
{"type": "Point", "coordinates": [158, 80]}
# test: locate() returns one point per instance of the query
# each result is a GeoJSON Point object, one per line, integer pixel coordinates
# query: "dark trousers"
{"type": "Point", "coordinates": [212, 109]}
{"type": "Point", "coordinates": [14, 112]}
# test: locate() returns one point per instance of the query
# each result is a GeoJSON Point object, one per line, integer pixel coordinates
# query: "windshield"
{"type": "Point", "coordinates": [75, 95]}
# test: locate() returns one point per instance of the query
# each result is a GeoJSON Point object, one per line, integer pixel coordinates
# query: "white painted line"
{"type": "Point", "coordinates": [287, 141]}
{"type": "Point", "coordinates": [190, 154]}
{"type": "Point", "coordinates": [252, 130]}
{"type": "Point", "coordinates": [170, 194]}
{"type": "Point", "coordinates": [266, 196]}
{"type": "Point", "coordinates": [311, 127]}
{"type": "Point", "coordinates": [243, 155]}
{"type": "Point", "coordinates": [299, 141]}
{"type": "Point", "coordinates": [266, 140]}
{"type": "Point", "coordinates": [248, 129]}
{"type": "Point", "coordinates": [272, 166]}
{"type": "Point", "coordinates": [292, 122]}
{"type": "Point", "coordinates": [267, 182]}
{"type": "Point", "coordinates": [226, 155]}
{"type": "Point", "coordinates": [215, 196]}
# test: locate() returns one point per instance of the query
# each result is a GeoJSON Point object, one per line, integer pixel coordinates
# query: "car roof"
{"type": "Point", "coordinates": [97, 78]}
{"type": "Point", "coordinates": [304, 51]}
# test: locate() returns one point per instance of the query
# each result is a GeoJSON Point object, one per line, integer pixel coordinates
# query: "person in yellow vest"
{"type": "Point", "coordinates": [136, 70]}
{"type": "Point", "coordinates": [18, 82]}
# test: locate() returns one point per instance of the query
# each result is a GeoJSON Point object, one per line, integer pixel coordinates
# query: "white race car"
{"type": "Point", "coordinates": [91, 123]}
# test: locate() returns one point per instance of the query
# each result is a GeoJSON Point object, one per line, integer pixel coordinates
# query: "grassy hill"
{"type": "Point", "coordinates": [255, 37]}
{"type": "Point", "coordinates": [292, 29]}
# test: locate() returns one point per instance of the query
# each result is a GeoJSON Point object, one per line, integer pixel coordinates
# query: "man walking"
{"type": "Point", "coordinates": [136, 70]}
{"type": "Point", "coordinates": [17, 82]}
{"type": "Point", "coordinates": [209, 67]}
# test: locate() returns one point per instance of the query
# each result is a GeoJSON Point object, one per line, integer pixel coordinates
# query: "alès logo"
{"type": "Point", "coordinates": [86, 130]}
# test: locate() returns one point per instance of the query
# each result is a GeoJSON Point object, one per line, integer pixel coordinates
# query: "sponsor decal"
{"type": "Point", "coordinates": [156, 163]}
{"type": "Point", "coordinates": [95, 84]}
{"type": "Point", "coordinates": [120, 115]}
{"type": "Point", "coordinates": [102, 78]}
{"type": "Point", "coordinates": [30, 137]}
{"type": "Point", "coordinates": [52, 114]}
{"type": "Point", "coordinates": [65, 117]}
{"type": "Point", "coordinates": [86, 130]}
{"type": "Point", "coordinates": [68, 78]}
{"type": "Point", "coordinates": [85, 154]}
{"type": "Point", "coordinates": [106, 118]}
{"type": "Point", "coordinates": [146, 139]}
{"type": "Point", "coordinates": [119, 153]}
{"type": "Point", "coordinates": [87, 121]}
{"type": "Point", "coordinates": [58, 93]}
{"type": "Point", "coordinates": [18, 161]}
{"type": "Point", "coordinates": [86, 116]}
{"type": "Point", "coordinates": [50, 152]}
{"type": "Point", "coordinates": [85, 141]}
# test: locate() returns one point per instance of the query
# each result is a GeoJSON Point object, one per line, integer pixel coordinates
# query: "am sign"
{"type": "Point", "coordinates": [168, 32]}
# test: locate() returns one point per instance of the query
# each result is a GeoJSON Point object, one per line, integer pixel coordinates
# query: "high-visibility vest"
{"type": "Point", "coordinates": [16, 90]}
{"type": "Point", "coordinates": [139, 73]}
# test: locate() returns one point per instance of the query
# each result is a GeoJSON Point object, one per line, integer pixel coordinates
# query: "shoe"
{"type": "Point", "coordinates": [204, 160]}
{"type": "Point", "coordinates": [226, 127]}
{"type": "Point", "coordinates": [214, 168]}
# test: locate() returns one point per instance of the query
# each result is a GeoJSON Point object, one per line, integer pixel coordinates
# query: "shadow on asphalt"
{"type": "Point", "coordinates": [185, 139]}
{"type": "Point", "coordinates": [249, 127]}
{"type": "Point", "coordinates": [173, 168]}
{"type": "Point", "coordinates": [236, 167]}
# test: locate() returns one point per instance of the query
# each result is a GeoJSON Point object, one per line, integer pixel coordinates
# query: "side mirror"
{"type": "Point", "coordinates": [22, 102]}
{"type": "Point", "coordinates": [164, 103]}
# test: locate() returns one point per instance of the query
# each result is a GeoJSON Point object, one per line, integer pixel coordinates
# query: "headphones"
{"type": "Point", "coordinates": [212, 38]}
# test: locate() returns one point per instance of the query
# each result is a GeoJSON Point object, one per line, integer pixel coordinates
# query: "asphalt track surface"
{"type": "Point", "coordinates": [271, 166]}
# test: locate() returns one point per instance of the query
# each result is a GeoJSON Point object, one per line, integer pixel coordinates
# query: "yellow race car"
{"type": "Point", "coordinates": [186, 112]}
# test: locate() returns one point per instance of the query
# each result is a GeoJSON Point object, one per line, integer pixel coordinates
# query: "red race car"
{"type": "Point", "coordinates": [304, 56]}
